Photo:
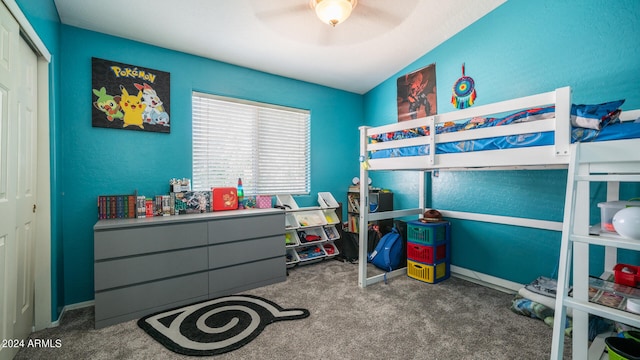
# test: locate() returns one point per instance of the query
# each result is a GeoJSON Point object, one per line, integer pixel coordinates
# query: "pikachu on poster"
{"type": "Point", "coordinates": [130, 97]}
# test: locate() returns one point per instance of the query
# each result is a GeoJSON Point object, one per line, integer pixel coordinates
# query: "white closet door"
{"type": "Point", "coordinates": [27, 150]}
{"type": "Point", "coordinates": [18, 160]}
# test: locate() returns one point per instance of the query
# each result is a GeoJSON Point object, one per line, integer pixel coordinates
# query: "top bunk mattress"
{"type": "Point", "coordinates": [590, 123]}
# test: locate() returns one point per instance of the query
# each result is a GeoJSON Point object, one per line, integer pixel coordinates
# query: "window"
{"type": "Point", "coordinates": [267, 146]}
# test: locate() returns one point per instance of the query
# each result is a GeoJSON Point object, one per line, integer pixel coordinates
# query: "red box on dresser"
{"type": "Point", "coordinates": [224, 198]}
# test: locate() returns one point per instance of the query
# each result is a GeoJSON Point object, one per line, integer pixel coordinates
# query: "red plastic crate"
{"type": "Point", "coordinates": [427, 254]}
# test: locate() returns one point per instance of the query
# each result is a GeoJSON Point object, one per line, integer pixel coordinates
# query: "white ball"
{"type": "Point", "coordinates": [627, 222]}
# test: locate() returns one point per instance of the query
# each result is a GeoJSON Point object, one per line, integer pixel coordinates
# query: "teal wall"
{"type": "Point", "coordinates": [521, 48]}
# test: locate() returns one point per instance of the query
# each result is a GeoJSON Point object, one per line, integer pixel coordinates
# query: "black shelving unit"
{"type": "Point", "coordinates": [379, 201]}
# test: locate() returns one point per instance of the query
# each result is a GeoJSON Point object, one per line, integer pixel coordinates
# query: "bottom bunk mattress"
{"type": "Point", "coordinates": [618, 131]}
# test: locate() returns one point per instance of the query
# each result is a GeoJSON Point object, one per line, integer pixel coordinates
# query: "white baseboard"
{"type": "Point", "coordinates": [503, 285]}
{"type": "Point", "coordinates": [70, 307]}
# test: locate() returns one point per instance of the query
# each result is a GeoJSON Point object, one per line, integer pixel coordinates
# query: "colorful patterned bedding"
{"type": "Point", "coordinates": [589, 123]}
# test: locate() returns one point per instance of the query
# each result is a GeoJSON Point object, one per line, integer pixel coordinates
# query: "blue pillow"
{"type": "Point", "coordinates": [595, 116]}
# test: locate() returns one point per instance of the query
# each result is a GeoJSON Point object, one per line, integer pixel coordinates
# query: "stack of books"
{"type": "Point", "coordinates": [116, 206]}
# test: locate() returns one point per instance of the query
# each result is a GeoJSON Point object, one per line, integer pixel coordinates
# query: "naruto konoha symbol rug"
{"type": "Point", "coordinates": [215, 326]}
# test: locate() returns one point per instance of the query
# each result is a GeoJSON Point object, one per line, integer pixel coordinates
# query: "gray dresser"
{"type": "Point", "coordinates": [146, 265]}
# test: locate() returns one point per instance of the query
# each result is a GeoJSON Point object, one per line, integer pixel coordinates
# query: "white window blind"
{"type": "Point", "coordinates": [267, 146]}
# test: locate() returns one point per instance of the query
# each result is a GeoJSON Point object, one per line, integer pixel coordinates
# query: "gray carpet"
{"type": "Point", "coordinates": [404, 319]}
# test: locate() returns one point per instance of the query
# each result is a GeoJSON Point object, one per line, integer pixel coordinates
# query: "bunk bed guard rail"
{"type": "Point", "coordinates": [556, 154]}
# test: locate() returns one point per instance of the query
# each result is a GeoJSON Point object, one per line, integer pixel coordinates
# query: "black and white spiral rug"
{"type": "Point", "coordinates": [215, 326]}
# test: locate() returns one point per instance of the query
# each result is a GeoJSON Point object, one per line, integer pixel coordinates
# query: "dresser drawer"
{"type": "Point", "coordinates": [118, 302]}
{"type": "Point", "coordinates": [144, 239]}
{"type": "Point", "coordinates": [242, 228]}
{"type": "Point", "coordinates": [246, 276]}
{"type": "Point", "coordinates": [226, 254]}
{"type": "Point", "coordinates": [137, 269]}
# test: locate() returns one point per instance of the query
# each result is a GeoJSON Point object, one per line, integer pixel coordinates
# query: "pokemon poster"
{"type": "Point", "coordinates": [417, 94]}
{"type": "Point", "coordinates": [129, 97]}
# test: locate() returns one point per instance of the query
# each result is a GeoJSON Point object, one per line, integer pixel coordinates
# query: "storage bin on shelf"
{"type": "Point", "coordinates": [290, 221]}
{"type": "Point", "coordinates": [330, 216]}
{"type": "Point", "coordinates": [430, 273]}
{"type": "Point", "coordinates": [609, 209]}
{"type": "Point", "coordinates": [291, 238]}
{"type": "Point", "coordinates": [330, 249]}
{"type": "Point", "coordinates": [312, 252]}
{"type": "Point", "coordinates": [286, 201]}
{"type": "Point", "coordinates": [331, 232]}
{"type": "Point", "coordinates": [626, 274]}
{"type": "Point", "coordinates": [310, 218]}
{"type": "Point", "coordinates": [311, 235]}
{"type": "Point", "coordinates": [292, 257]}
{"type": "Point", "coordinates": [327, 201]}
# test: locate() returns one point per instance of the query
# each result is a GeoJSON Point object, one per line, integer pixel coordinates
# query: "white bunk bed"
{"type": "Point", "coordinates": [554, 156]}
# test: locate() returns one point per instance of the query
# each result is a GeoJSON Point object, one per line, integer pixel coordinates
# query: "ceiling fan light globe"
{"type": "Point", "coordinates": [333, 12]}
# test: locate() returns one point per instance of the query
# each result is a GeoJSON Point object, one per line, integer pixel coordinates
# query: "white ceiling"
{"type": "Point", "coordinates": [284, 37]}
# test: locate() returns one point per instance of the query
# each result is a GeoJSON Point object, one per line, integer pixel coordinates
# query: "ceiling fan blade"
{"type": "Point", "coordinates": [389, 14]}
{"type": "Point", "coordinates": [372, 13]}
{"type": "Point", "coordinates": [276, 12]}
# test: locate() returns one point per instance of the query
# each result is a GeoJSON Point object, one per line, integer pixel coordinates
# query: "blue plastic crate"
{"type": "Point", "coordinates": [428, 233]}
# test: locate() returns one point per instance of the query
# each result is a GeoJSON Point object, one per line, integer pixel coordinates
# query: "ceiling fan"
{"type": "Point", "coordinates": [333, 12]}
{"type": "Point", "coordinates": [300, 19]}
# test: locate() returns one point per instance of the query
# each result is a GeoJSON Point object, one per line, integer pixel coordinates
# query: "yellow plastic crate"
{"type": "Point", "coordinates": [431, 273]}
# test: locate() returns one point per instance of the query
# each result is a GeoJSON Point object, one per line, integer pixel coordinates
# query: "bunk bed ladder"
{"type": "Point", "coordinates": [611, 162]}
{"type": "Point", "coordinates": [566, 248]}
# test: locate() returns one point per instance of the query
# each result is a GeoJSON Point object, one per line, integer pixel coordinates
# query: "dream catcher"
{"type": "Point", "coordinates": [464, 92]}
